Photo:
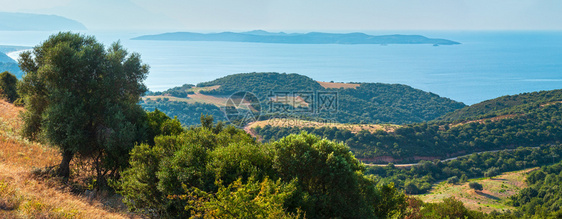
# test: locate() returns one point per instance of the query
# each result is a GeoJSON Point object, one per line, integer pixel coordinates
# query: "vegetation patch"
{"type": "Point", "coordinates": [494, 196]}
{"type": "Point", "coordinates": [338, 85]}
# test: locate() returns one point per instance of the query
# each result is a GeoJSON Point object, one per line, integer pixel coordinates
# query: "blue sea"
{"type": "Point", "coordinates": [487, 64]}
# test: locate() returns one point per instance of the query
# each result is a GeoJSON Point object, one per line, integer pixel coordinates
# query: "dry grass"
{"type": "Point", "coordinates": [193, 98]}
{"type": "Point", "coordinates": [9, 118]}
{"type": "Point", "coordinates": [494, 196]}
{"type": "Point", "coordinates": [354, 128]}
{"type": "Point", "coordinates": [337, 85]}
{"type": "Point", "coordinates": [209, 88]}
{"type": "Point", "coordinates": [202, 98]}
{"type": "Point", "coordinates": [24, 195]}
{"type": "Point", "coordinates": [197, 97]}
{"type": "Point", "coordinates": [492, 119]}
{"type": "Point", "coordinates": [551, 103]}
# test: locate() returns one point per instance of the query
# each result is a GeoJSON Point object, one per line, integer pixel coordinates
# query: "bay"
{"type": "Point", "coordinates": [486, 65]}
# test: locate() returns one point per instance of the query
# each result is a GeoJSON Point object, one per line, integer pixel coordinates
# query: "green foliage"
{"type": "Point", "coordinates": [539, 125]}
{"type": "Point", "coordinates": [84, 99]}
{"type": "Point", "coordinates": [492, 171]}
{"type": "Point", "coordinates": [326, 172]}
{"type": "Point", "coordinates": [254, 199]}
{"type": "Point", "coordinates": [211, 172]}
{"type": "Point", "coordinates": [260, 84]}
{"type": "Point", "coordinates": [464, 178]}
{"type": "Point", "coordinates": [155, 120]}
{"type": "Point", "coordinates": [520, 103]}
{"type": "Point", "coordinates": [449, 208]}
{"type": "Point", "coordinates": [476, 186]}
{"type": "Point", "coordinates": [242, 160]}
{"type": "Point", "coordinates": [390, 103]}
{"type": "Point", "coordinates": [453, 180]}
{"type": "Point", "coordinates": [418, 178]}
{"type": "Point", "coordinates": [180, 92]}
{"type": "Point", "coordinates": [188, 114]}
{"type": "Point", "coordinates": [158, 172]}
{"type": "Point", "coordinates": [160, 124]}
{"type": "Point", "coordinates": [8, 86]}
{"type": "Point", "coordinates": [543, 197]}
{"type": "Point", "coordinates": [368, 103]}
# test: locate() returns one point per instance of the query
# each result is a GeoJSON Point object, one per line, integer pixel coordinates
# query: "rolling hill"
{"type": "Point", "coordinates": [505, 105]}
{"type": "Point", "coordinates": [300, 96]}
{"type": "Point", "coordinates": [37, 22]}
{"type": "Point", "coordinates": [538, 120]}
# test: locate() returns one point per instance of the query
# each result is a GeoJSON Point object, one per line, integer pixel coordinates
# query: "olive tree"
{"type": "Point", "coordinates": [8, 83]}
{"type": "Point", "coordinates": [83, 98]}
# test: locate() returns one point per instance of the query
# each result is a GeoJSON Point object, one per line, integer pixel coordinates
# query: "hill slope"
{"type": "Point", "coordinates": [38, 22]}
{"type": "Point", "coordinates": [510, 104]}
{"type": "Point", "coordinates": [25, 195]}
{"type": "Point", "coordinates": [495, 195]}
{"type": "Point", "coordinates": [300, 96]}
{"type": "Point", "coordinates": [529, 125]}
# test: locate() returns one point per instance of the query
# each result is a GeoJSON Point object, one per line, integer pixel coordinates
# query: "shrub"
{"type": "Point", "coordinates": [476, 186]}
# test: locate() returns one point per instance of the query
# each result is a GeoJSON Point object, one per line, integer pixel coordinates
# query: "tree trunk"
{"type": "Point", "coordinates": [64, 167]}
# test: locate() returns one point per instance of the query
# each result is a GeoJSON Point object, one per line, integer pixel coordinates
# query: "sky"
{"type": "Point", "coordinates": [310, 15]}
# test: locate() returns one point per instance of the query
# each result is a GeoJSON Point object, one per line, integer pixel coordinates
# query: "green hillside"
{"type": "Point", "coordinates": [544, 196]}
{"type": "Point", "coordinates": [356, 102]}
{"type": "Point", "coordinates": [510, 104]}
{"type": "Point", "coordinates": [529, 125]}
{"type": "Point", "coordinates": [261, 83]}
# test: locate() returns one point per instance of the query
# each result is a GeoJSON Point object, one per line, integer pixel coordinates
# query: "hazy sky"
{"type": "Point", "coordinates": [301, 14]}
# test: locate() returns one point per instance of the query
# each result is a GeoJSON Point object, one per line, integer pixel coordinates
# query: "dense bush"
{"type": "Point", "coordinates": [476, 186]}
{"type": "Point", "coordinates": [223, 172]}
{"type": "Point", "coordinates": [510, 104]}
{"type": "Point", "coordinates": [542, 124]}
{"type": "Point", "coordinates": [543, 197]}
{"type": "Point", "coordinates": [181, 92]}
{"type": "Point", "coordinates": [367, 103]}
{"type": "Point", "coordinates": [419, 178]}
{"type": "Point", "coordinates": [453, 180]}
{"type": "Point", "coordinates": [8, 86]}
{"type": "Point", "coordinates": [188, 114]}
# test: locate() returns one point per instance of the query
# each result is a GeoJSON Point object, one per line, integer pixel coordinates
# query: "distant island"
{"type": "Point", "coordinates": [37, 22]}
{"type": "Point", "coordinates": [260, 36]}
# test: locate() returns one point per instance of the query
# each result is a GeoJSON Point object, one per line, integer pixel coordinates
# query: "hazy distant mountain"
{"type": "Point", "coordinates": [7, 63]}
{"type": "Point", "coordinates": [5, 58]}
{"type": "Point", "coordinates": [260, 36]}
{"type": "Point", "coordinates": [10, 65]}
{"type": "Point", "coordinates": [25, 21]}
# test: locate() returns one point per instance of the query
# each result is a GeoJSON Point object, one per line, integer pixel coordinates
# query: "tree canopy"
{"type": "Point", "coordinates": [215, 172]}
{"type": "Point", "coordinates": [83, 98]}
{"type": "Point", "coordinates": [8, 86]}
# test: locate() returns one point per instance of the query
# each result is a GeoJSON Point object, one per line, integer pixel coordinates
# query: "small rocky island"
{"type": "Point", "coordinates": [260, 36]}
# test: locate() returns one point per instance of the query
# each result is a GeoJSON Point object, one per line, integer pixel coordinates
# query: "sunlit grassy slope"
{"type": "Point", "coordinates": [495, 195]}
{"type": "Point", "coordinates": [23, 194]}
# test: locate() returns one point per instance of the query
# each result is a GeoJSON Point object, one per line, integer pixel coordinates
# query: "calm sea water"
{"type": "Point", "coordinates": [486, 65]}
